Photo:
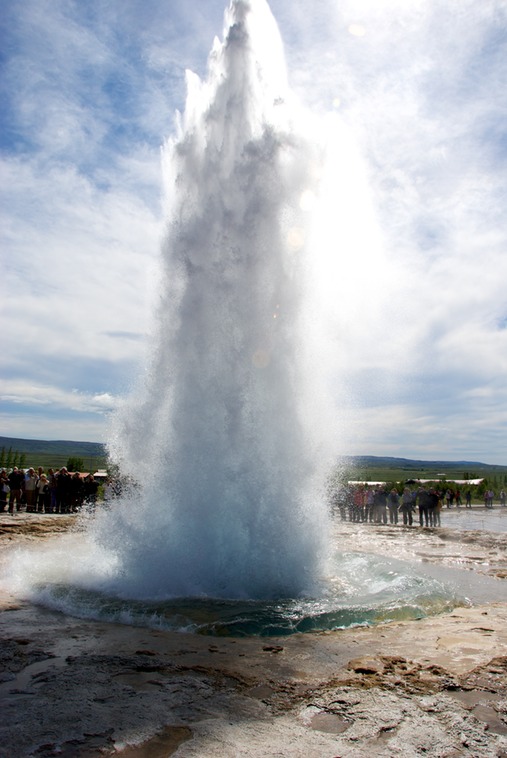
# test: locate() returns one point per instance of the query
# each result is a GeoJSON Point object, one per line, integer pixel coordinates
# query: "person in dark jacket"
{"type": "Point", "coordinates": [16, 481]}
{"type": "Point", "coordinates": [63, 491]}
{"type": "Point", "coordinates": [407, 506]}
{"type": "Point", "coordinates": [76, 491]}
{"type": "Point", "coordinates": [393, 502]}
{"type": "Point", "coordinates": [91, 488]}
{"type": "Point", "coordinates": [434, 507]}
{"type": "Point", "coordinates": [380, 506]}
{"type": "Point", "coordinates": [424, 503]}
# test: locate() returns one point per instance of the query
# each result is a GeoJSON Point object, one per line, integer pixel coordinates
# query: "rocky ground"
{"type": "Point", "coordinates": [433, 687]}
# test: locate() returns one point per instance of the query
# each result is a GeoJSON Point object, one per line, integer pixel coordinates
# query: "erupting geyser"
{"type": "Point", "coordinates": [225, 434]}
{"type": "Point", "coordinates": [230, 436]}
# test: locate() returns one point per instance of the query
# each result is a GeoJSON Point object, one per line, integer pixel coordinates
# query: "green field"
{"type": "Point", "coordinates": [371, 468]}
{"type": "Point", "coordinates": [384, 469]}
{"type": "Point", "coordinates": [51, 454]}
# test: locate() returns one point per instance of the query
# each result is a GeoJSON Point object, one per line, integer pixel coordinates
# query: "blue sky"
{"type": "Point", "coordinates": [416, 89]}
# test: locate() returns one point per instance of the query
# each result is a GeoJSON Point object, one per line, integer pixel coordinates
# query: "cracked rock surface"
{"type": "Point", "coordinates": [434, 687]}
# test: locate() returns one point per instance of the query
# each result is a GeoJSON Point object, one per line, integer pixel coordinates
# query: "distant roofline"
{"type": "Point", "coordinates": [422, 481]}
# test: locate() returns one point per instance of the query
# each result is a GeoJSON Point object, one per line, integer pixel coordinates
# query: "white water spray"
{"type": "Point", "coordinates": [225, 434]}
{"type": "Point", "coordinates": [229, 435]}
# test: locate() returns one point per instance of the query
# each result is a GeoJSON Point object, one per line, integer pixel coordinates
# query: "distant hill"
{"type": "Point", "coordinates": [375, 461]}
{"type": "Point", "coordinates": [57, 452]}
{"type": "Point", "coordinates": [51, 453]}
{"type": "Point", "coordinates": [392, 469]}
{"type": "Point", "coordinates": [56, 447]}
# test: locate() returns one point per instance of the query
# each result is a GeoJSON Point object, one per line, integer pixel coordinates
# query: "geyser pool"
{"type": "Point", "coordinates": [71, 574]}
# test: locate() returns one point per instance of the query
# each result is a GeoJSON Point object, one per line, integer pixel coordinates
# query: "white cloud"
{"type": "Point", "coordinates": [80, 260]}
{"type": "Point", "coordinates": [34, 423]}
{"type": "Point", "coordinates": [23, 392]}
{"type": "Point", "coordinates": [418, 291]}
{"type": "Point", "coordinates": [35, 410]}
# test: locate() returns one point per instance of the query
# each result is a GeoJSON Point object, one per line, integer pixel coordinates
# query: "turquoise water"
{"type": "Point", "coordinates": [365, 590]}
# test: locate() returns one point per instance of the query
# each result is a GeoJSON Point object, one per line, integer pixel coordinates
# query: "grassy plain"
{"type": "Point", "coordinates": [50, 453]}
{"type": "Point", "coordinates": [56, 453]}
{"type": "Point", "coordinates": [373, 468]}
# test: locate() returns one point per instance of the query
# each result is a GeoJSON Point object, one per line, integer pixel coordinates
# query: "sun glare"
{"type": "Point", "coordinates": [357, 30]}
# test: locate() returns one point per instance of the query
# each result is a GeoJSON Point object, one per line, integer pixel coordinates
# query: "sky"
{"type": "Point", "coordinates": [414, 91]}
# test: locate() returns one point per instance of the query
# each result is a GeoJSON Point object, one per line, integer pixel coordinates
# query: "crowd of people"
{"type": "Point", "coordinates": [420, 505]}
{"type": "Point", "coordinates": [62, 491]}
{"type": "Point", "coordinates": [57, 491]}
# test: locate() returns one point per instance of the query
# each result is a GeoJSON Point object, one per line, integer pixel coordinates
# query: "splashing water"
{"type": "Point", "coordinates": [222, 437]}
{"type": "Point", "coordinates": [230, 435]}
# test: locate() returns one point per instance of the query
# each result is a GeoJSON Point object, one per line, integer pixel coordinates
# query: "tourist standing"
{"type": "Point", "coordinates": [4, 490]}
{"type": "Point", "coordinates": [380, 506]}
{"type": "Point", "coordinates": [63, 491]}
{"type": "Point", "coordinates": [76, 491]}
{"type": "Point", "coordinates": [91, 488]}
{"type": "Point", "coordinates": [423, 502]}
{"type": "Point", "coordinates": [357, 511]}
{"type": "Point", "coordinates": [393, 502]}
{"type": "Point", "coordinates": [433, 507]}
{"type": "Point", "coordinates": [370, 505]}
{"type": "Point", "coordinates": [52, 490]}
{"type": "Point", "coordinates": [16, 479]}
{"type": "Point", "coordinates": [407, 503]}
{"type": "Point", "coordinates": [43, 494]}
{"type": "Point", "coordinates": [31, 490]}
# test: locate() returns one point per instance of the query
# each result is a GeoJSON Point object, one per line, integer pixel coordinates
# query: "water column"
{"type": "Point", "coordinates": [222, 434]}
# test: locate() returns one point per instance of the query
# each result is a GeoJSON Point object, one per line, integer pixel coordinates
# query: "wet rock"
{"type": "Point", "coordinates": [366, 666]}
{"type": "Point", "coordinates": [16, 654]}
